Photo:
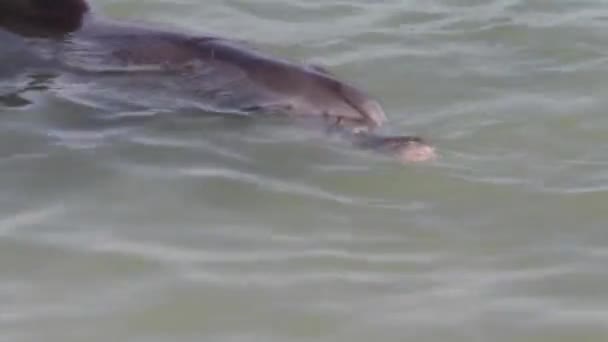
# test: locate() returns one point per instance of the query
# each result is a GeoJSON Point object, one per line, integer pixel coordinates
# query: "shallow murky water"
{"type": "Point", "coordinates": [133, 226]}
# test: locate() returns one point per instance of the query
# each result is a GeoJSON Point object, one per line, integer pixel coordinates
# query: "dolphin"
{"type": "Point", "coordinates": [221, 74]}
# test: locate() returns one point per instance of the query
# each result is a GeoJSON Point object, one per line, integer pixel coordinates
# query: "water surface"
{"type": "Point", "coordinates": [143, 225]}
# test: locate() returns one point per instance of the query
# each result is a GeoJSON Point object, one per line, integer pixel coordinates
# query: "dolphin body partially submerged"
{"type": "Point", "coordinates": [219, 73]}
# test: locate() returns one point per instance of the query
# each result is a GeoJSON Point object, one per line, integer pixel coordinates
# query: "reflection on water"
{"type": "Point", "coordinates": [119, 221]}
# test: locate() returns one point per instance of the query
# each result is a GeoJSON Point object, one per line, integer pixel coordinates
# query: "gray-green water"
{"type": "Point", "coordinates": [207, 229]}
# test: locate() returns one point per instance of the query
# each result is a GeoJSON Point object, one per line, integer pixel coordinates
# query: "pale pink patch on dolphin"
{"type": "Point", "coordinates": [417, 152]}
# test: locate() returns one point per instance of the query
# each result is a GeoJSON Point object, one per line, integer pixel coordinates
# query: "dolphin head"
{"type": "Point", "coordinates": [311, 91]}
{"type": "Point", "coordinates": [291, 88]}
{"type": "Point", "coordinates": [336, 101]}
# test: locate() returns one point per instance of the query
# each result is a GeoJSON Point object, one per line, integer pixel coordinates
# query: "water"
{"type": "Point", "coordinates": [133, 226]}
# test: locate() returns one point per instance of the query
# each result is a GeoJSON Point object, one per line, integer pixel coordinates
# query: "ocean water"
{"type": "Point", "coordinates": [121, 225]}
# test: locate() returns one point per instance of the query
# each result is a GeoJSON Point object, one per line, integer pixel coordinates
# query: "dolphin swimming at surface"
{"type": "Point", "coordinates": [221, 74]}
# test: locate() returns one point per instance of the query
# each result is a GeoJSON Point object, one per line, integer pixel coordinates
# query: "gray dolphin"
{"type": "Point", "coordinates": [223, 74]}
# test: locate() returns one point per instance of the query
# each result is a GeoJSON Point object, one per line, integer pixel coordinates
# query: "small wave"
{"type": "Point", "coordinates": [31, 217]}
